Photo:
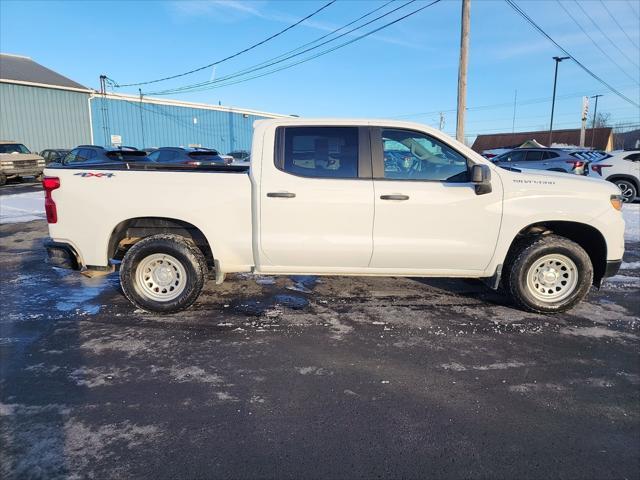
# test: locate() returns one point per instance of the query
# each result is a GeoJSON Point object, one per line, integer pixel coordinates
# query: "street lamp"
{"type": "Point", "coordinates": [553, 101]}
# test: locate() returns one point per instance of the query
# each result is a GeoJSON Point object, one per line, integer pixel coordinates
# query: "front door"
{"type": "Point", "coordinates": [428, 217]}
{"type": "Point", "coordinates": [316, 201]}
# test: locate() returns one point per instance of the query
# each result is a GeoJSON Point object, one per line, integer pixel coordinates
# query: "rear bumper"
{"type": "Point", "coordinates": [61, 255]}
{"type": "Point", "coordinates": [612, 268]}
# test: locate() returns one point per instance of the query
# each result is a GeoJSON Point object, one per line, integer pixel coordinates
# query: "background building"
{"type": "Point", "coordinates": [44, 109]}
{"type": "Point", "coordinates": [41, 108]}
{"type": "Point", "coordinates": [597, 138]}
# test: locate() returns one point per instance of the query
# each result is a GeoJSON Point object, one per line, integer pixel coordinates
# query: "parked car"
{"type": "Point", "coordinates": [240, 155]}
{"type": "Point", "coordinates": [553, 159]}
{"type": "Point", "coordinates": [321, 201]}
{"type": "Point", "coordinates": [17, 161]}
{"type": "Point", "coordinates": [188, 156]}
{"type": "Point", "coordinates": [54, 155]}
{"type": "Point", "coordinates": [97, 155]}
{"type": "Point", "coordinates": [623, 169]}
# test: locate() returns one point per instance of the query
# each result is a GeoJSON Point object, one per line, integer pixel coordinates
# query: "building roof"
{"type": "Point", "coordinates": [19, 69]}
{"type": "Point", "coordinates": [567, 137]}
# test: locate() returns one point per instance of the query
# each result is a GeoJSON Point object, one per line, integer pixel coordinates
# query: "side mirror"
{"type": "Point", "coordinates": [481, 177]}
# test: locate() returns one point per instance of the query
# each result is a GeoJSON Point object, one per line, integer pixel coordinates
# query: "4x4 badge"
{"type": "Point", "coordinates": [91, 174]}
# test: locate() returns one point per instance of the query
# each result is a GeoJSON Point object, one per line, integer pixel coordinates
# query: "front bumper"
{"type": "Point", "coordinates": [22, 171]}
{"type": "Point", "coordinates": [612, 268]}
{"type": "Point", "coordinates": [61, 255]}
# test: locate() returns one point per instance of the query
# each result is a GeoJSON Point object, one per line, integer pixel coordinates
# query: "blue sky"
{"type": "Point", "coordinates": [408, 70]}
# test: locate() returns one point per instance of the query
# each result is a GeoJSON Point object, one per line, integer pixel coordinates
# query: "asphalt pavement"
{"type": "Point", "coordinates": [312, 377]}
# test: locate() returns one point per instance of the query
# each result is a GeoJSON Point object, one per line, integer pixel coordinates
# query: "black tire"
{"type": "Point", "coordinates": [628, 189]}
{"type": "Point", "coordinates": [3, 179]}
{"type": "Point", "coordinates": [545, 248]}
{"type": "Point", "coordinates": [181, 254]}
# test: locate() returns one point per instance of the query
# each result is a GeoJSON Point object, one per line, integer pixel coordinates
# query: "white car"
{"type": "Point", "coordinates": [623, 169]}
{"type": "Point", "coordinates": [338, 197]}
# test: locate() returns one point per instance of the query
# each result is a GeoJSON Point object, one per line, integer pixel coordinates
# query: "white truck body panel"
{"type": "Point", "coordinates": [334, 226]}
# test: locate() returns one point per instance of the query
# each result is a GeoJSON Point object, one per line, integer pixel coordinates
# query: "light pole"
{"type": "Point", "coordinates": [553, 101]}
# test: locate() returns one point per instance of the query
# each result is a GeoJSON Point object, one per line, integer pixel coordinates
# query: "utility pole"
{"type": "Point", "coordinates": [103, 110]}
{"type": "Point", "coordinates": [593, 124]}
{"type": "Point", "coordinates": [441, 121]}
{"type": "Point", "coordinates": [141, 119]}
{"type": "Point", "coordinates": [515, 101]}
{"type": "Point", "coordinates": [553, 101]}
{"type": "Point", "coordinates": [462, 69]}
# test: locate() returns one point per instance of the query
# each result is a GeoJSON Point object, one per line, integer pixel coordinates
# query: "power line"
{"type": "Point", "coordinates": [594, 42]}
{"type": "Point", "coordinates": [524, 15]}
{"type": "Point", "coordinates": [619, 26]}
{"type": "Point", "coordinates": [633, 9]}
{"type": "Point", "coordinates": [265, 63]}
{"type": "Point", "coordinates": [605, 35]}
{"type": "Point", "coordinates": [324, 52]}
{"type": "Point", "coordinates": [262, 42]}
{"type": "Point", "coordinates": [276, 60]}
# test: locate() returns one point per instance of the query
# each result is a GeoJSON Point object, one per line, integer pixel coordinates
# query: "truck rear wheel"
{"type": "Point", "coordinates": [163, 273]}
{"type": "Point", "coordinates": [549, 274]}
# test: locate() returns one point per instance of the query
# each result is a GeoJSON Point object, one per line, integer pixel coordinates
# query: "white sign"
{"type": "Point", "coordinates": [116, 140]}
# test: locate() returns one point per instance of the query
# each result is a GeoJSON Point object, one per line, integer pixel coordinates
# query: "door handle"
{"type": "Point", "coordinates": [394, 197]}
{"type": "Point", "coordinates": [281, 195]}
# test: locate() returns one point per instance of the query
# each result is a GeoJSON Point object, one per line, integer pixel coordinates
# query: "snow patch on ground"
{"type": "Point", "coordinates": [23, 207]}
{"type": "Point", "coordinates": [630, 266]}
{"type": "Point", "coordinates": [631, 213]}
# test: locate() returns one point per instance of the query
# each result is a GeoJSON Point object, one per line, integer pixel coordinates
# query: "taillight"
{"type": "Point", "coordinates": [50, 184]}
{"type": "Point", "coordinates": [576, 164]}
{"type": "Point", "coordinates": [596, 167]}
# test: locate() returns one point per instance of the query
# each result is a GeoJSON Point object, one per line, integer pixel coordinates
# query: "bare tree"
{"type": "Point", "coordinates": [603, 119]}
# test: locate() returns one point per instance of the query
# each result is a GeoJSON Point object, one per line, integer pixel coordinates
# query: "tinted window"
{"type": "Point", "coordinates": [634, 157]}
{"type": "Point", "coordinates": [412, 155]}
{"type": "Point", "coordinates": [550, 155]}
{"type": "Point", "coordinates": [514, 156]}
{"type": "Point", "coordinates": [127, 156]}
{"type": "Point", "coordinates": [70, 157]}
{"type": "Point", "coordinates": [163, 156]}
{"type": "Point", "coordinates": [328, 152]}
{"type": "Point", "coordinates": [534, 156]}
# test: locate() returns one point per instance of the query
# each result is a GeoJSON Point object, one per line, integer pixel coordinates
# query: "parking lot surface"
{"type": "Point", "coordinates": [312, 377]}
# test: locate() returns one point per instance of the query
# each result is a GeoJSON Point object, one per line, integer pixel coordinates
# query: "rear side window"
{"type": "Point", "coordinates": [634, 157]}
{"type": "Point", "coordinates": [534, 156]}
{"type": "Point", "coordinates": [324, 152]}
{"type": "Point", "coordinates": [127, 156]}
{"type": "Point", "coordinates": [550, 155]}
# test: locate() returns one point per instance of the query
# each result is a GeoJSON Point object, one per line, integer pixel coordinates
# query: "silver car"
{"type": "Point", "coordinates": [553, 159]}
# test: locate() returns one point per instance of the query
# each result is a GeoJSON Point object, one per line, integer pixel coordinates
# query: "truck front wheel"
{"type": "Point", "coordinates": [163, 273]}
{"type": "Point", "coordinates": [549, 274]}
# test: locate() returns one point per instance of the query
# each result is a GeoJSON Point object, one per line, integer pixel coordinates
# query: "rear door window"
{"type": "Point", "coordinates": [323, 152]}
{"type": "Point", "coordinates": [534, 156]}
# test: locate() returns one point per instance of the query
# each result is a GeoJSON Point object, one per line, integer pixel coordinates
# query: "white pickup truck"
{"type": "Point", "coordinates": [338, 197]}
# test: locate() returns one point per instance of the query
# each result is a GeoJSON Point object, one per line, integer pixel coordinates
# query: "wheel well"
{"type": "Point", "coordinates": [588, 237]}
{"type": "Point", "coordinates": [629, 178]}
{"type": "Point", "coordinates": [129, 232]}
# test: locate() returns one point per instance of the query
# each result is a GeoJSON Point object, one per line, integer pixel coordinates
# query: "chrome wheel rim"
{"type": "Point", "coordinates": [161, 277]}
{"type": "Point", "coordinates": [626, 191]}
{"type": "Point", "coordinates": [552, 278]}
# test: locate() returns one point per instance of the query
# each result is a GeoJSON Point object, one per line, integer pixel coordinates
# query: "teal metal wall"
{"type": "Point", "coordinates": [44, 117]}
{"type": "Point", "coordinates": [144, 125]}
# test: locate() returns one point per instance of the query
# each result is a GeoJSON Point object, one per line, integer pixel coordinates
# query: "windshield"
{"type": "Point", "coordinates": [13, 148]}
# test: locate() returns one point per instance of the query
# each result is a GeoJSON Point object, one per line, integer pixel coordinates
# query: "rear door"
{"type": "Point", "coordinates": [535, 160]}
{"type": "Point", "coordinates": [316, 202]}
